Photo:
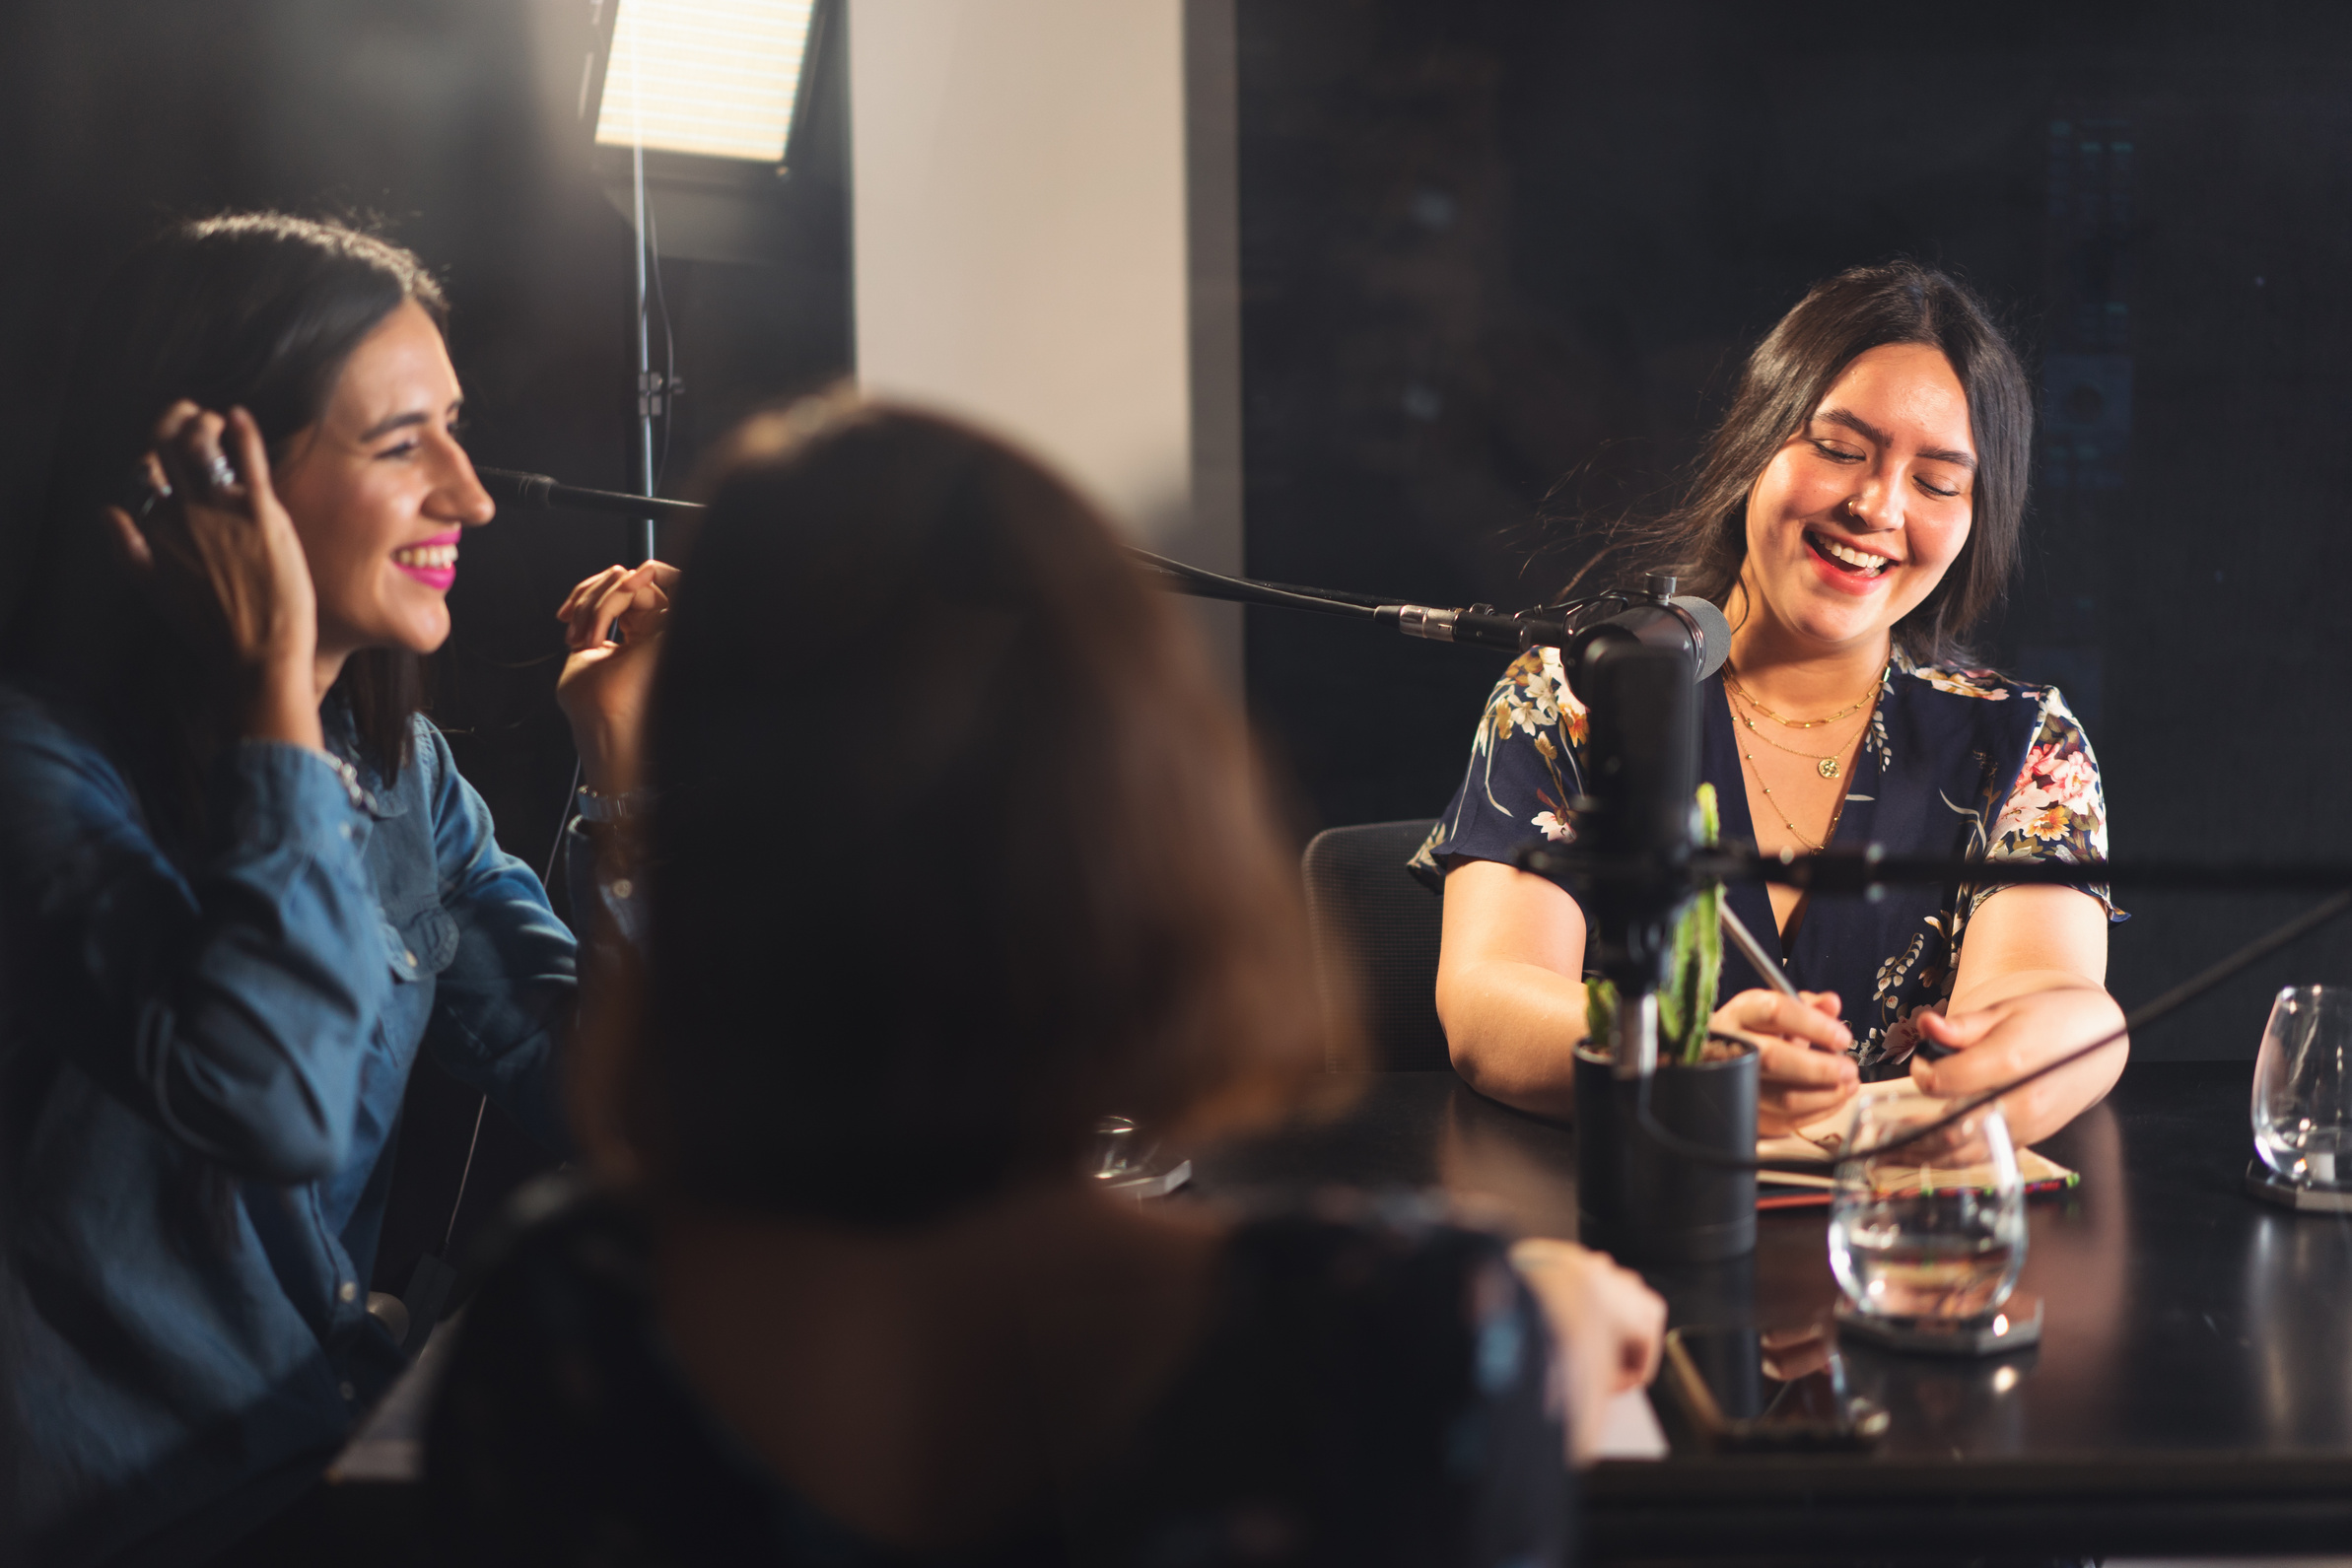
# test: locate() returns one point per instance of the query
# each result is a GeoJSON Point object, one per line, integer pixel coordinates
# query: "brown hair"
{"type": "Point", "coordinates": [1704, 537]}
{"type": "Point", "coordinates": [960, 846]}
{"type": "Point", "coordinates": [255, 309]}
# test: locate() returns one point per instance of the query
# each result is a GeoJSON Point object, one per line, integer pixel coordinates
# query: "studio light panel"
{"type": "Point", "coordinates": [710, 77]}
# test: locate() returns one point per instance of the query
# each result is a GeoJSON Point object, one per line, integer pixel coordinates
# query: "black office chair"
{"type": "Point", "coordinates": [1374, 916]}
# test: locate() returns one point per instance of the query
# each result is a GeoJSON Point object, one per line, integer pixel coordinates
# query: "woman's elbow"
{"type": "Point", "coordinates": [1456, 1016]}
{"type": "Point", "coordinates": [300, 1153]}
{"type": "Point", "coordinates": [285, 1135]}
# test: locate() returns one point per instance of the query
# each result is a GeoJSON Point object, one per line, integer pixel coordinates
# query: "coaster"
{"type": "Point", "coordinates": [1157, 1184]}
{"type": "Point", "coordinates": [2271, 1188]}
{"type": "Point", "coordinates": [2016, 1326]}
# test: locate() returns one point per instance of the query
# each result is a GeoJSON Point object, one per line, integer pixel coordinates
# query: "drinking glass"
{"type": "Point", "coordinates": [1933, 1228]}
{"type": "Point", "coordinates": [2303, 1094]}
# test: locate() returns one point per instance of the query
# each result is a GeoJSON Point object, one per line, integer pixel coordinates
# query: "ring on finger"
{"type": "Point", "coordinates": [218, 474]}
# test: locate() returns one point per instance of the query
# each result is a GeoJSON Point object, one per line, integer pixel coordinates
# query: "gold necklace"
{"type": "Point", "coordinates": [1794, 830]}
{"type": "Point", "coordinates": [1827, 767]}
{"type": "Point", "coordinates": [1731, 681]}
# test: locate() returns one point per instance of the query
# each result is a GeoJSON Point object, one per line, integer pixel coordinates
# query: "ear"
{"type": "Point", "coordinates": [130, 545]}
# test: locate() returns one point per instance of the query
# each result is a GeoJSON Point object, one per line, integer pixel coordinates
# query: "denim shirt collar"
{"type": "Point", "coordinates": [380, 798]}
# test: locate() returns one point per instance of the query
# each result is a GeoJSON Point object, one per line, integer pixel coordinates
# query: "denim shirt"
{"type": "Point", "coordinates": [201, 1071]}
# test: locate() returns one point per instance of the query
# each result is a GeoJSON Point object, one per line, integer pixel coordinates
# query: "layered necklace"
{"type": "Point", "coordinates": [1827, 767]}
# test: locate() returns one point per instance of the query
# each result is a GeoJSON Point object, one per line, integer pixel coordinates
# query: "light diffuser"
{"type": "Point", "coordinates": [716, 78]}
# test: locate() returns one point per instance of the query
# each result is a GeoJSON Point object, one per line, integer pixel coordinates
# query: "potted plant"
{"type": "Point", "coordinates": [1636, 1197]}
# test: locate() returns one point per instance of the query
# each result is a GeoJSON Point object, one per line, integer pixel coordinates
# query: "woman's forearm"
{"type": "Point", "coordinates": [231, 1007]}
{"type": "Point", "coordinates": [2055, 1021]}
{"type": "Point", "coordinates": [2030, 1018]}
{"type": "Point", "coordinates": [2029, 990]}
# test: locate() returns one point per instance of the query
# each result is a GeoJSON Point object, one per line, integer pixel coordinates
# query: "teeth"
{"type": "Point", "coordinates": [428, 557]}
{"type": "Point", "coordinates": [1868, 563]}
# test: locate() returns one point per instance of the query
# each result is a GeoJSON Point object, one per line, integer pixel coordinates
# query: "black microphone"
{"type": "Point", "coordinates": [1677, 622]}
{"type": "Point", "coordinates": [1661, 618]}
{"type": "Point", "coordinates": [540, 492]}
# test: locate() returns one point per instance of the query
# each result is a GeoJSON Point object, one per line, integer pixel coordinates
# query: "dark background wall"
{"type": "Point", "coordinates": [1499, 260]}
{"type": "Point", "coordinates": [1502, 262]}
{"type": "Point", "coordinates": [452, 123]}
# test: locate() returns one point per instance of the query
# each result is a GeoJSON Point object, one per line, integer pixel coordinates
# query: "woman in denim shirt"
{"type": "Point", "coordinates": [243, 883]}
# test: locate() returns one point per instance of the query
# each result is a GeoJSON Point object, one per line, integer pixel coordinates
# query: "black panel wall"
{"type": "Point", "coordinates": [1502, 260]}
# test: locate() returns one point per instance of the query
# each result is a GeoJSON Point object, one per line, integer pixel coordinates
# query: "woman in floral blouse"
{"type": "Point", "coordinates": [1855, 515]}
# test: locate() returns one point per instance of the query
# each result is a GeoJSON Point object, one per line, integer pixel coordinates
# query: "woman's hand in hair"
{"type": "Point", "coordinates": [1804, 1073]}
{"type": "Point", "coordinates": [612, 626]}
{"type": "Point", "coordinates": [225, 567]}
{"type": "Point", "coordinates": [1608, 1327]}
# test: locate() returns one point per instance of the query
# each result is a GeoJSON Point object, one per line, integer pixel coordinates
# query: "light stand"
{"type": "Point", "coordinates": [650, 392]}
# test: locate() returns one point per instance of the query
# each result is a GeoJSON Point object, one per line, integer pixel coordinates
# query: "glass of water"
{"type": "Point", "coordinates": [1935, 1226]}
{"type": "Point", "coordinates": [2303, 1094]}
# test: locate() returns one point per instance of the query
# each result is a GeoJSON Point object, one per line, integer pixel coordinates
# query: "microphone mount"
{"type": "Point", "coordinates": [1478, 625]}
{"type": "Point", "coordinates": [1661, 876]}
{"type": "Point", "coordinates": [1868, 871]}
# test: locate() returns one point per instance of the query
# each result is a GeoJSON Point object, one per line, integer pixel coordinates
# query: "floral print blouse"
{"type": "Point", "coordinates": [1960, 763]}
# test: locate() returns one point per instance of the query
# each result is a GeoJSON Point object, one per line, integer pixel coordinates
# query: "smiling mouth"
{"type": "Point", "coordinates": [426, 557]}
{"type": "Point", "coordinates": [1852, 562]}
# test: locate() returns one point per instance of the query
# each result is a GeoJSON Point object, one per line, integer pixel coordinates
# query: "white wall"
{"type": "Point", "coordinates": [1042, 198]}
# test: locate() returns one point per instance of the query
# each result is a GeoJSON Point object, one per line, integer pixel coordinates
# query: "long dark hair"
{"type": "Point", "coordinates": [252, 309]}
{"type": "Point", "coordinates": [1705, 536]}
{"type": "Point", "coordinates": [958, 851]}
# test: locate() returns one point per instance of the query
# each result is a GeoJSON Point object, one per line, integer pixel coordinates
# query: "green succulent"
{"type": "Point", "coordinates": [1694, 971]}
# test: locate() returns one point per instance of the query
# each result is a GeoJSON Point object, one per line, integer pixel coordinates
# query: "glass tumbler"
{"type": "Point", "coordinates": [1934, 1227]}
{"type": "Point", "coordinates": [2302, 1095]}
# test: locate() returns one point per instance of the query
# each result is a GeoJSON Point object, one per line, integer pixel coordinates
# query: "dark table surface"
{"type": "Point", "coordinates": [2192, 1392]}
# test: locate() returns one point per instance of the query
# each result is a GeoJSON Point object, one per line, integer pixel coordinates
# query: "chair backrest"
{"type": "Point", "coordinates": [1374, 916]}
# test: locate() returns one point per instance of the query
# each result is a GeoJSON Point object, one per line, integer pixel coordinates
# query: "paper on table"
{"type": "Point", "coordinates": [1630, 1429]}
{"type": "Point", "coordinates": [1819, 1144]}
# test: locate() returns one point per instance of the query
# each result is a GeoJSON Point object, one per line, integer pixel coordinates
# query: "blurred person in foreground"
{"type": "Point", "coordinates": [956, 849]}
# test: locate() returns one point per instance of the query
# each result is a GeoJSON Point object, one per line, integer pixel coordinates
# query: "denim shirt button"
{"type": "Point", "coordinates": [408, 957]}
{"type": "Point", "coordinates": [348, 1392]}
{"type": "Point", "coordinates": [346, 1291]}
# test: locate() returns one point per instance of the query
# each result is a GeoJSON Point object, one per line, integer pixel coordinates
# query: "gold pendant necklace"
{"type": "Point", "coordinates": [1827, 767]}
{"type": "Point", "coordinates": [1794, 830]}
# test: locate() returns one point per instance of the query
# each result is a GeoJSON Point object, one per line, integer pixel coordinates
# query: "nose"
{"type": "Point", "coordinates": [458, 497]}
{"type": "Point", "coordinates": [1875, 504]}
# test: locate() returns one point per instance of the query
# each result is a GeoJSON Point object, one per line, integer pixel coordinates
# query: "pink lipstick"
{"type": "Point", "coordinates": [432, 562]}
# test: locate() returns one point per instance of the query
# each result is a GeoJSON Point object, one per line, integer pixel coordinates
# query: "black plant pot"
{"type": "Point", "coordinates": [1643, 1203]}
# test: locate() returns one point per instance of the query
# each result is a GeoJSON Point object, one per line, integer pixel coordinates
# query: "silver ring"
{"type": "Point", "coordinates": [218, 474]}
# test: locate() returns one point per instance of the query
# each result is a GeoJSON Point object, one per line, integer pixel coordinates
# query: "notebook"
{"type": "Point", "coordinates": [1804, 1159]}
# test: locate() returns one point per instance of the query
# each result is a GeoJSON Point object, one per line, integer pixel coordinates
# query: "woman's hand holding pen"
{"type": "Point", "coordinates": [612, 627]}
{"type": "Point", "coordinates": [1804, 1073]}
{"type": "Point", "coordinates": [220, 557]}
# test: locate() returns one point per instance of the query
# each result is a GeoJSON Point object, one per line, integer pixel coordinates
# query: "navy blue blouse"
{"type": "Point", "coordinates": [1371, 1389]}
{"type": "Point", "coordinates": [1956, 763]}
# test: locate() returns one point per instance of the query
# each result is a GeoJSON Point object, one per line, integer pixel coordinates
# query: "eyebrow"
{"type": "Point", "coordinates": [385, 426]}
{"type": "Point", "coordinates": [1870, 431]}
